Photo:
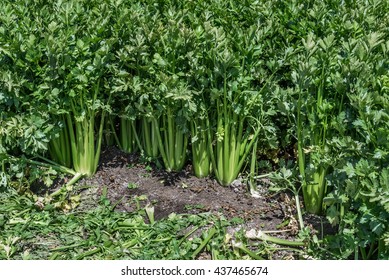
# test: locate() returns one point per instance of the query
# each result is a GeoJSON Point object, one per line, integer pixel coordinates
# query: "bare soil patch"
{"type": "Point", "coordinates": [132, 184]}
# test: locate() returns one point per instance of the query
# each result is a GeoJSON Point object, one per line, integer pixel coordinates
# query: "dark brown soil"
{"type": "Point", "coordinates": [131, 184]}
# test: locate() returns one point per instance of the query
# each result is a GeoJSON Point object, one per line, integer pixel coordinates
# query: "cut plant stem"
{"type": "Point", "coordinates": [247, 251]}
{"type": "Point", "coordinates": [68, 186]}
{"type": "Point", "coordinates": [252, 183]}
{"type": "Point", "coordinates": [150, 213]}
{"type": "Point", "coordinates": [267, 238]}
{"type": "Point", "coordinates": [299, 215]}
{"type": "Point", "coordinates": [88, 253]}
{"type": "Point", "coordinates": [64, 248]}
{"type": "Point", "coordinates": [188, 234]}
{"type": "Point", "coordinates": [211, 233]}
{"type": "Point", "coordinates": [52, 165]}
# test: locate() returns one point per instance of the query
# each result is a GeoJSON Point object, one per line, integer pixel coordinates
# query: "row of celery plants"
{"type": "Point", "coordinates": [182, 84]}
{"type": "Point", "coordinates": [220, 77]}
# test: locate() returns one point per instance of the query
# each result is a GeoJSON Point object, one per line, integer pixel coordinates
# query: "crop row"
{"type": "Point", "coordinates": [226, 82]}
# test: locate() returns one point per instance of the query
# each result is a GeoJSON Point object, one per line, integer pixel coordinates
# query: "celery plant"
{"type": "Point", "coordinates": [130, 79]}
{"type": "Point", "coordinates": [171, 130]}
{"type": "Point", "coordinates": [79, 73]}
{"type": "Point", "coordinates": [241, 108]}
{"type": "Point", "coordinates": [233, 144]}
{"type": "Point", "coordinates": [200, 122]}
{"type": "Point", "coordinates": [171, 104]}
{"type": "Point", "coordinates": [85, 145]}
{"type": "Point", "coordinates": [315, 108]}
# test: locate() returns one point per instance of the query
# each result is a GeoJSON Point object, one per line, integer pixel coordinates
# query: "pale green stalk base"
{"type": "Point", "coordinates": [85, 155]}
{"type": "Point", "coordinates": [201, 159]}
{"type": "Point", "coordinates": [128, 138]}
{"type": "Point", "coordinates": [172, 142]}
{"type": "Point", "coordinates": [149, 141]}
{"type": "Point", "coordinates": [314, 191]}
{"type": "Point", "coordinates": [59, 148]}
{"type": "Point", "coordinates": [231, 150]}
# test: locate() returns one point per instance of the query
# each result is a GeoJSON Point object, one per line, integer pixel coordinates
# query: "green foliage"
{"type": "Point", "coordinates": [56, 69]}
{"type": "Point", "coordinates": [357, 146]}
{"type": "Point", "coordinates": [217, 78]}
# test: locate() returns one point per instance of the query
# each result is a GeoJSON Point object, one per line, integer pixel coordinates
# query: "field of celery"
{"type": "Point", "coordinates": [294, 92]}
